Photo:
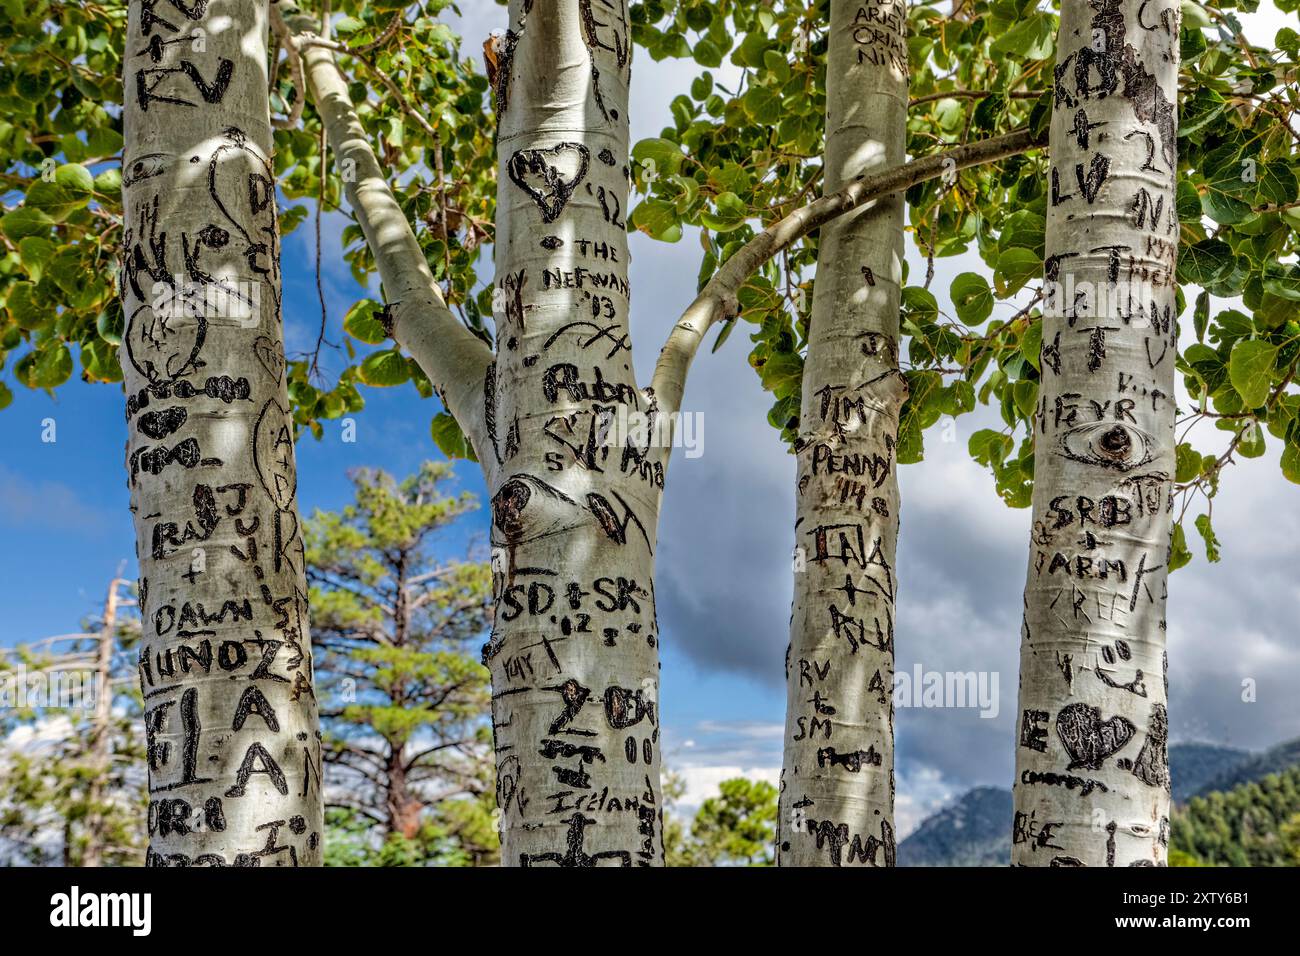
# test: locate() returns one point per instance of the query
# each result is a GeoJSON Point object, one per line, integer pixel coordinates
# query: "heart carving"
{"type": "Point", "coordinates": [550, 176]}
{"type": "Point", "coordinates": [270, 355]}
{"type": "Point", "coordinates": [1087, 738]}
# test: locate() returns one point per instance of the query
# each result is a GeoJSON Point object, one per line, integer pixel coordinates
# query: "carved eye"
{"type": "Point", "coordinates": [1108, 444]}
{"type": "Point", "coordinates": [144, 167]}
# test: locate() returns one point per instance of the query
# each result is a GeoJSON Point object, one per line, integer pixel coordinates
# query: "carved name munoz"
{"type": "Point", "coordinates": [225, 665]}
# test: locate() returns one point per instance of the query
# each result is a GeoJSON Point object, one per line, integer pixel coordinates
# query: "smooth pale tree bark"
{"type": "Point", "coordinates": [225, 661]}
{"type": "Point", "coordinates": [1092, 778]}
{"type": "Point", "coordinates": [837, 779]}
{"type": "Point", "coordinates": [574, 465]}
{"type": "Point", "coordinates": [573, 453]}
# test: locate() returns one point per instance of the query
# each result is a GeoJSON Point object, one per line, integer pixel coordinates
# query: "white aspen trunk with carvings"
{"type": "Point", "coordinates": [1092, 776]}
{"type": "Point", "coordinates": [575, 483]}
{"type": "Point", "coordinates": [574, 455]}
{"type": "Point", "coordinates": [837, 779]}
{"type": "Point", "coordinates": [225, 660]}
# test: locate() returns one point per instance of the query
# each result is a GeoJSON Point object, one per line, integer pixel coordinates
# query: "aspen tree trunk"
{"type": "Point", "coordinates": [837, 780]}
{"type": "Point", "coordinates": [575, 483]}
{"type": "Point", "coordinates": [225, 662]}
{"type": "Point", "coordinates": [1092, 778]}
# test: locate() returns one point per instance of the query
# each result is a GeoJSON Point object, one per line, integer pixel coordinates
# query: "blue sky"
{"type": "Point", "coordinates": [724, 566]}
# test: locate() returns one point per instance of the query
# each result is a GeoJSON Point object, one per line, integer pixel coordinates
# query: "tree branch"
{"type": "Point", "coordinates": [287, 42]}
{"type": "Point", "coordinates": [717, 300]}
{"type": "Point", "coordinates": [418, 319]}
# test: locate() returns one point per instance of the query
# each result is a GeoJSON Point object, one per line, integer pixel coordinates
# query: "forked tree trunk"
{"type": "Point", "coordinates": [575, 494]}
{"type": "Point", "coordinates": [1092, 778]}
{"type": "Point", "coordinates": [225, 663]}
{"type": "Point", "coordinates": [837, 780]}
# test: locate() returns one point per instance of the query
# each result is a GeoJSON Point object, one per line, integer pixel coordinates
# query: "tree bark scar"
{"type": "Point", "coordinates": [505, 53]}
{"type": "Point", "coordinates": [1117, 60]}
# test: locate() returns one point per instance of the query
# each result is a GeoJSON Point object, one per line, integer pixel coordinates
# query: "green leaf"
{"type": "Point", "coordinates": [1025, 395]}
{"type": "Point", "coordinates": [1179, 554]}
{"type": "Point", "coordinates": [920, 304]}
{"type": "Point", "coordinates": [730, 213]}
{"type": "Point", "coordinates": [23, 307]}
{"type": "Point", "coordinates": [972, 298]}
{"type": "Point", "coordinates": [1277, 184]}
{"type": "Point", "coordinates": [782, 373]}
{"type": "Point", "coordinates": [1204, 262]}
{"type": "Point", "coordinates": [963, 397]}
{"type": "Point", "coordinates": [723, 334]}
{"type": "Point", "coordinates": [989, 447]}
{"type": "Point", "coordinates": [48, 367]}
{"type": "Point", "coordinates": [1251, 444]}
{"type": "Point", "coordinates": [1031, 344]}
{"type": "Point", "coordinates": [1207, 534]}
{"type": "Point", "coordinates": [1201, 315]}
{"type": "Point", "coordinates": [1291, 463]}
{"type": "Point", "coordinates": [1282, 281]}
{"type": "Point", "coordinates": [384, 368]}
{"type": "Point", "coordinates": [75, 178]}
{"type": "Point", "coordinates": [1016, 266]}
{"type": "Point", "coordinates": [1188, 465]}
{"type": "Point", "coordinates": [764, 105]}
{"type": "Point", "coordinates": [1195, 16]}
{"type": "Point", "coordinates": [448, 436]}
{"type": "Point", "coordinates": [1198, 110]}
{"type": "Point", "coordinates": [658, 220]}
{"type": "Point", "coordinates": [55, 200]}
{"type": "Point", "coordinates": [361, 324]}
{"type": "Point", "coordinates": [99, 361]}
{"type": "Point", "coordinates": [662, 156]}
{"type": "Point", "coordinates": [1250, 369]}
{"type": "Point", "coordinates": [25, 221]}
{"type": "Point", "coordinates": [707, 53]}
{"type": "Point", "coordinates": [109, 183]}
{"type": "Point", "coordinates": [35, 252]}
{"type": "Point", "coordinates": [1032, 38]}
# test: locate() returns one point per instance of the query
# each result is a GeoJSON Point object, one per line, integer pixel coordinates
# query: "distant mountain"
{"type": "Point", "coordinates": [1192, 767]}
{"type": "Point", "coordinates": [1253, 767]}
{"type": "Point", "coordinates": [971, 832]}
{"type": "Point", "coordinates": [975, 829]}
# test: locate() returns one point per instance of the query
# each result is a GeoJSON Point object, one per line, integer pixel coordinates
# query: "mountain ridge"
{"type": "Point", "coordinates": [974, 829]}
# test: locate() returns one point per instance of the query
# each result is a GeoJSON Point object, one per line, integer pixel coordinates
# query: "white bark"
{"type": "Point", "coordinates": [837, 781]}
{"type": "Point", "coordinates": [1092, 778]}
{"type": "Point", "coordinates": [225, 663]}
{"type": "Point", "coordinates": [574, 651]}
{"type": "Point", "coordinates": [453, 358]}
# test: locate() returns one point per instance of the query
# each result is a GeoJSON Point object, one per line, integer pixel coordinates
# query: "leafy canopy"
{"type": "Point", "coordinates": [741, 147]}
